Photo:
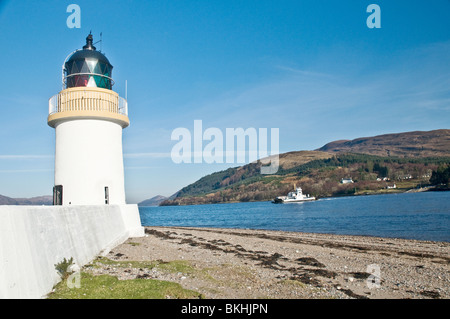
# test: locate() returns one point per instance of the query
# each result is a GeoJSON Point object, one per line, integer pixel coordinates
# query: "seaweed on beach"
{"type": "Point", "coordinates": [309, 261]}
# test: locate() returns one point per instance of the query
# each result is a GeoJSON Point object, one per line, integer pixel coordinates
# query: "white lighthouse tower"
{"type": "Point", "coordinates": [88, 118]}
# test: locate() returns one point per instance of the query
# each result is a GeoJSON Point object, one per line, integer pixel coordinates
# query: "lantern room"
{"type": "Point", "coordinates": [88, 68]}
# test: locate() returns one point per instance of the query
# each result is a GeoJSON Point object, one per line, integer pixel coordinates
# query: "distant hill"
{"type": "Point", "coordinates": [374, 163]}
{"type": "Point", "coordinates": [38, 201]}
{"type": "Point", "coordinates": [247, 172]}
{"type": "Point", "coordinates": [409, 144]}
{"type": "Point", "coordinates": [154, 201]}
{"type": "Point", "coordinates": [4, 200]}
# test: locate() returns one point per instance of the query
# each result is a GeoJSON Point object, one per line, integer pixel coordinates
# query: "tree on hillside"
{"type": "Point", "coordinates": [441, 176]}
{"type": "Point", "coordinates": [382, 171]}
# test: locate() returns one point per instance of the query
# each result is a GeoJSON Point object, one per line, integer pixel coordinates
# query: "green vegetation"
{"type": "Point", "coordinates": [63, 268]}
{"type": "Point", "coordinates": [318, 176]}
{"type": "Point", "coordinates": [133, 244]}
{"type": "Point", "coordinates": [109, 287]}
{"type": "Point", "coordinates": [441, 176]}
{"type": "Point", "coordinates": [371, 163]}
{"type": "Point", "coordinates": [214, 181]}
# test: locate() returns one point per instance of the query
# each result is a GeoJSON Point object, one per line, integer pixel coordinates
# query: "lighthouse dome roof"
{"type": "Point", "coordinates": [88, 54]}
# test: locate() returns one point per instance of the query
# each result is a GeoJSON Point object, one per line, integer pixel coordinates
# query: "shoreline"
{"type": "Point", "coordinates": [249, 264]}
{"type": "Point", "coordinates": [431, 188]}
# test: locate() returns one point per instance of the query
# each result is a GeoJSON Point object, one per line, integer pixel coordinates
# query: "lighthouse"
{"type": "Point", "coordinates": [88, 118]}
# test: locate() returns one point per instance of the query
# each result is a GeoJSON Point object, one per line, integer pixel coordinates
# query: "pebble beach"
{"type": "Point", "coordinates": [255, 264]}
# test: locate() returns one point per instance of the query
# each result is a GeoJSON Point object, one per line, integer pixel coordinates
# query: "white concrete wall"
{"type": "Point", "coordinates": [88, 158]}
{"type": "Point", "coordinates": [35, 238]}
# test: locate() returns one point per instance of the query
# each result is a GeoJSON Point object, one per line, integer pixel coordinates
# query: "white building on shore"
{"type": "Point", "coordinates": [346, 181]}
{"type": "Point", "coordinates": [88, 118]}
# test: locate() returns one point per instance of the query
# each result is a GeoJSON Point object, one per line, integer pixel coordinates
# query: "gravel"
{"type": "Point", "coordinates": [248, 264]}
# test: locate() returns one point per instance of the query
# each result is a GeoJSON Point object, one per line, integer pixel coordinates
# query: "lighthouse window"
{"type": "Point", "coordinates": [91, 65]}
{"type": "Point", "coordinates": [97, 68]}
{"type": "Point", "coordinates": [85, 68]}
{"type": "Point", "coordinates": [79, 65]}
{"type": "Point", "coordinates": [57, 195]}
{"type": "Point", "coordinates": [70, 82]}
{"type": "Point", "coordinates": [99, 81]}
{"type": "Point", "coordinates": [107, 70]}
{"type": "Point", "coordinates": [81, 80]}
{"type": "Point", "coordinates": [74, 68]}
{"type": "Point", "coordinates": [102, 67]}
{"type": "Point", "coordinates": [106, 195]}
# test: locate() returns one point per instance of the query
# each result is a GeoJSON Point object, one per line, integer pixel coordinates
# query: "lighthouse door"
{"type": "Point", "coordinates": [57, 195]}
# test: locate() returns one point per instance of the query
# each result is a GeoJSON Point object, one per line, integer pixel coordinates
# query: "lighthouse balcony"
{"type": "Point", "coordinates": [88, 102]}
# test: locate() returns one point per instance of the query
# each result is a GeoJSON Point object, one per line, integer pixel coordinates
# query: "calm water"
{"type": "Point", "coordinates": [424, 216]}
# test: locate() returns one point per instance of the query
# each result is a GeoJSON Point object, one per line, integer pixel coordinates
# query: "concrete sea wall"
{"type": "Point", "coordinates": [35, 238]}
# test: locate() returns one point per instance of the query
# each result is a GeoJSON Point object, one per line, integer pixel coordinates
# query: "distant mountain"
{"type": "Point", "coordinates": [4, 200]}
{"type": "Point", "coordinates": [154, 201]}
{"type": "Point", "coordinates": [409, 144]}
{"type": "Point", "coordinates": [406, 159]}
{"type": "Point", "coordinates": [38, 201]}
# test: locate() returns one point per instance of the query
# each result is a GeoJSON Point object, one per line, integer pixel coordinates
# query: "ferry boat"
{"type": "Point", "coordinates": [294, 197]}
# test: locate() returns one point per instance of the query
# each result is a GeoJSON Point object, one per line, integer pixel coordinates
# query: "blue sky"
{"type": "Point", "coordinates": [313, 69]}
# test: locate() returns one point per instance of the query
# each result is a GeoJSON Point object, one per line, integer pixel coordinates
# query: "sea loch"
{"type": "Point", "coordinates": [422, 216]}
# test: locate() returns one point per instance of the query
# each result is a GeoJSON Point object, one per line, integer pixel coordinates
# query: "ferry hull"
{"type": "Point", "coordinates": [298, 200]}
{"type": "Point", "coordinates": [280, 200]}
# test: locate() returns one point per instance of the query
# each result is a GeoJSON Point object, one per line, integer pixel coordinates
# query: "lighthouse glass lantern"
{"type": "Point", "coordinates": [88, 117]}
{"type": "Point", "coordinates": [88, 68]}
